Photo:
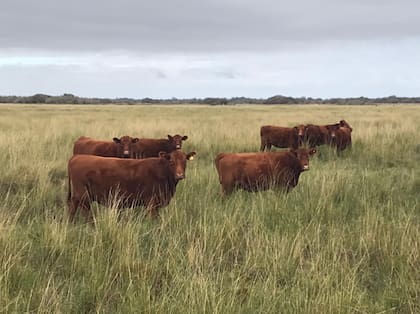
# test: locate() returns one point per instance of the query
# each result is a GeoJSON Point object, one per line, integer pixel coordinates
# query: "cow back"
{"type": "Point", "coordinates": [134, 182]}
{"type": "Point", "coordinates": [149, 147]}
{"type": "Point", "coordinates": [257, 171]}
{"type": "Point", "coordinates": [88, 146]}
{"type": "Point", "coordinates": [282, 137]}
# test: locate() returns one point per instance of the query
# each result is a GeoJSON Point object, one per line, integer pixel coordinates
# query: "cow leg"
{"type": "Point", "coordinates": [86, 210]}
{"type": "Point", "coordinates": [73, 204]}
{"type": "Point", "coordinates": [262, 148]}
{"type": "Point", "coordinates": [227, 189]}
{"type": "Point", "coordinates": [268, 146]}
{"type": "Point", "coordinates": [153, 213]}
{"type": "Point", "coordinates": [153, 204]}
{"type": "Point", "coordinates": [84, 204]}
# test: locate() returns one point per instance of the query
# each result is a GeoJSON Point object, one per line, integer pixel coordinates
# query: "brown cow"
{"type": "Point", "coordinates": [278, 136]}
{"type": "Point", "coordinates": [316, 135]}
{"type": "Point", "coordinates": [119, 147]}
{"type": "Point", "coordinates": [150, 147]}
{"type": "Point", "coordinates": [341, 137]}
{"type": "Point", "coordinates": [261, 171]}
{"type": "Point", "coordinates": [150, 182]}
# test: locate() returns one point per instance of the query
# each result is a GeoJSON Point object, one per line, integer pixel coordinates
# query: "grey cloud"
{"type": "Point", "coordinates": [186, 25]}
{"type": "Point", "coordinates": [191, 48]}
{"type": "Point", "coordinates": [342, 70]}
{"type": "Point", "coordinates": [209, 73]}
{"type": "Point", "coordinates": [80, 80]}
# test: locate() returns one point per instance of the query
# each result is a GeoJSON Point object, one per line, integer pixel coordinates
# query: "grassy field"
{"type": "Point", "coordinates": [345, 240]}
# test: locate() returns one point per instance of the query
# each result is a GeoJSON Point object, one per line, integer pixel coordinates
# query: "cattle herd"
{"type": "Point", "coordinates": [130, 171]}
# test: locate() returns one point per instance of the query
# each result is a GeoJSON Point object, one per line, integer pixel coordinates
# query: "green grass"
{"type": "Point", "coordinates": [345, 240]}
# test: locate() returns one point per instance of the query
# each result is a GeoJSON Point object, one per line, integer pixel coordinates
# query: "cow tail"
{"type": "Point", "coordinates": [69, 190]}
{"type": "Point", "coordinates": [218, 157]}
{"type": "Point", "coordinates": [263, 138]}
{"type": "Point", "coordinates": [217, 160]}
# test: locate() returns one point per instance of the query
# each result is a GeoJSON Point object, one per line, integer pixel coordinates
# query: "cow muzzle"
{"type": "Point", "coordinates": [305, 167]}
{"type": "Point", "coordinates": [180, 176]}
{"type": "Point", "coordinates": [178, 146]}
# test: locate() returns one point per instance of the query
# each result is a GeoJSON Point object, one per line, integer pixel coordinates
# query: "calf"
{"type": "Point", "coordinates": [150, 182]}
{"type": "Point", "coordinates": [149, 147]}
{"type": "Point", "coordinates": [119, 147]}
{"type": "Point", "coordinates": [278, 136]}
{"type": "Point", "coordinates": [261, 171]}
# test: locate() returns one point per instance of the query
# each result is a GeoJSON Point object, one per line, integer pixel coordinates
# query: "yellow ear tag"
{"type": "Point", "coordinates": [191, 158]}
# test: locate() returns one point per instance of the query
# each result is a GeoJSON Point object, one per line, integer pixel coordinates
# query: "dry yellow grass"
{"type": "Point", "coordinates": [345, 240]}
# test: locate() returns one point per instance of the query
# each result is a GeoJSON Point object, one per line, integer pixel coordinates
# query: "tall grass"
{"type": "Point", "coordinates": [345, 240]}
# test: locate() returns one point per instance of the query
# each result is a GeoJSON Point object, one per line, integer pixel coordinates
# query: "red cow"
{"type": "Point", "coordinates": [261, 171]}
{"type": "Point", "coordinates": [341, 137]}
{"type": "Point", "coordinates": [150, 147]}
{"type": "Point", "coordinates": [119, 147]}
{"type": "Point", "coordinates": [316, 135]}
{"type": "Point", "coordinates": [150, 182]}
{"type": "Point", "coordinates": [281, 137]}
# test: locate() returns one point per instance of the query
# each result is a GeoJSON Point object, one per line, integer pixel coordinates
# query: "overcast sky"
{"type": "Point", "coordinates": [210, 48]}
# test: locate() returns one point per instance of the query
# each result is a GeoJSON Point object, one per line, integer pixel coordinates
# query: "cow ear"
{"type": "Point", "coordinates": [169, 137]}
{"type": "Point", "coordinates": [116, 140]}
{"type": "Point", "coordinates": [164, 155]}
{"type": "Point", "coordinates": [184, 138]}
{"type": "Point", "coordinates": [312, 151]}
{"type": "Point", "coordinates": [135, 140]}
{"type": "Point", "coordinates": [190, 156]}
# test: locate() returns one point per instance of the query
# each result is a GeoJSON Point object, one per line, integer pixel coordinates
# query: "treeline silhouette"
{"type": "Point", "coordinates": [278, 99]}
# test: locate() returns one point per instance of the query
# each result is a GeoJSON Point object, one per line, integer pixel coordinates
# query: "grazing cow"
{"type": "Point", "coordinates": [150, 182]}
{"type": "Point", "coordinates": [278, 136]}
{"type": "Point", "coordinates": [149, 147]}
{"type": "Point", "coordinates": [261, 171]}
{"type": "Point", "coordinates": [119, 147]}
{"type": "Point", "coordinates": [341, 137]}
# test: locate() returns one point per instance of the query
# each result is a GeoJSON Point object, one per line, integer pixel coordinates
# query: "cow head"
{"type": "Point", "coordinates": [303, 155]}
{"type": "Point", "coordinates": [178, 162]}
{"type": "Point", "coordinates": [176, 141]}
{"type": "Point", "coordinates": [301, 132]}
{"type": "Point", "coordinates": [332, 130]}
{"type": "Point", "coordinates": [125, 145]}
{"type": "Point", "coordinates": [344, 124]}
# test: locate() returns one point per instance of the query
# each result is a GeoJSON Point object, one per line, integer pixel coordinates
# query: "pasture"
{"type": "Point", "coordinates": [345, 240]}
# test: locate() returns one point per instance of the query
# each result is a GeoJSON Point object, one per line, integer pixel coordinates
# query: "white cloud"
{"type": "Point", "coordinates": [336, 69]}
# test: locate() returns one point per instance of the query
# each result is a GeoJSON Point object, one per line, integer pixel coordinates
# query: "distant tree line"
{"type": "Point", "coordinates": [278, 99]}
